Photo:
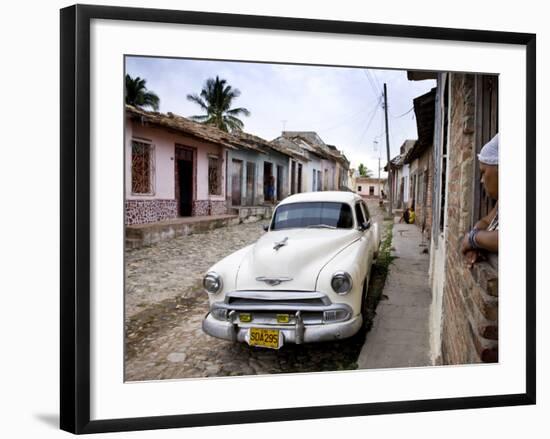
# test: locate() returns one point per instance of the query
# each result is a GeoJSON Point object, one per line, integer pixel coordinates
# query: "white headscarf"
{"type": "Point", "coordinates": [489, 153]}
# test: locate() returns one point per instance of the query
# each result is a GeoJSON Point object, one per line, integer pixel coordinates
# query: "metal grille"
{"type": "Point", "coordinates": [142, 168]}
{"type": "Point", "coordinates": [214, 186]}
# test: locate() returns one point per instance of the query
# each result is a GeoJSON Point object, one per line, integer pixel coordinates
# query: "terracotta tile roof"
{"type": "Point", "coordinates": [288, 147]}
{"type": "Point", "coordinates": [310, 141]}
{"type": "Point", "coordinates": [201, 131]}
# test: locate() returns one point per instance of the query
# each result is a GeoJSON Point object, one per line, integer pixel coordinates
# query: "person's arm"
{"type": "Point", "coordinates": [488, 240]}
{"type": "Point", "coordinates": [484, 222]}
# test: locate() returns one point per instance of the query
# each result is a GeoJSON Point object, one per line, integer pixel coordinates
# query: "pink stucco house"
{"type": "Point", "coordinates": [174, 167]}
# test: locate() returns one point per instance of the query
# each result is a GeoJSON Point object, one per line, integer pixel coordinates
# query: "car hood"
{"type": "Point", "coordinates": [298, 261]}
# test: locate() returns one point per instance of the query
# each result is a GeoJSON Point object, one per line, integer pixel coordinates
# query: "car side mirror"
{"type": "Point", "coordinates": [266, 227]}
{"type": "Point", "coordinates": [365, 225]}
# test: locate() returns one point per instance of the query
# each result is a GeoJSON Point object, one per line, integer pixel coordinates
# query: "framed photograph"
{"type": "Point", "coordinates": [277, 218]}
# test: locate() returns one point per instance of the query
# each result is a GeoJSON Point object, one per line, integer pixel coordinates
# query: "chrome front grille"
{"type": "Point", "coordinates": [262, 307]}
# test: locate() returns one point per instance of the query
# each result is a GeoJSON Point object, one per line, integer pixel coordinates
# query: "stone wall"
{"type": "Point", "coordinates": [209, 207]}
{"type": "Point", "coordinates": [470, 297]}
{"type": "Point", "coordinates": [149, 211]}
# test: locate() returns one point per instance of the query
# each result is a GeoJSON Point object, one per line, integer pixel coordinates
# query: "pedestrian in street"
{"type": "Point", "coordinates": [483, 237]}
{"type": "Point", "coordinates": [412, 215]}
{"type": "Point", "coordinates": [405, 217]}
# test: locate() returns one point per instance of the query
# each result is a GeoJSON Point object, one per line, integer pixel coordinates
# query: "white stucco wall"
{"type": "Point", "coordinates": [163, 162]}
{"type": "Point", "coordinates": [437, 281]}
{"type": "Point", "coordinates": [314, 164]}
{"type": "Point", "coordinates": [362, 187]}
{"type": "Point", "coordinates": [406, 184]}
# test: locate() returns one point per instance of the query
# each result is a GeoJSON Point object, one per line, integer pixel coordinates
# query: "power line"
{"type": "Point", "coordinates": [369, 122]}
{"type": "Point", "coordinates": [373, 72]}
{"type": "Point", "coordinates": [348, 119]}
{"type": "Point", "coordinates": [375, 89]}
{"type": "Point", "coordinates": [404, 114]}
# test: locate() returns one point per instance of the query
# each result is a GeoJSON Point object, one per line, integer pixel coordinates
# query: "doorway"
{"type": "Point", "coordinates": [184, 180]}
{"type": "Point", "coordinates": [236, 182]}
{"type": "Point", "coordinates": [250, 182]}
{"type": "Point", "coordinates": [279, 182]}
{"type": "Point", "coordinates": [269, 183]}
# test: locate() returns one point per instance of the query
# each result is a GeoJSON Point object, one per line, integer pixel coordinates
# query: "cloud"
{"type": "Point", "coordinates": [342, 104]}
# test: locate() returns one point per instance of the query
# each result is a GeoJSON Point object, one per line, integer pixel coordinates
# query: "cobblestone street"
{"type": "Point", "coordinates": [165, 305]}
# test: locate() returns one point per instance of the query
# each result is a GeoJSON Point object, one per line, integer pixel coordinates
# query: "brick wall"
{"type": "Point", "coordinates": [425, 165]}
{"type": "Point", "coordinates": [470, 297]}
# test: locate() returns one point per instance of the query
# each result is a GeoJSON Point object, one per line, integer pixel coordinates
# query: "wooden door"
{"type": "Point", "coordinates": [236, 182]}
{"type": "Point", "coordinates": [250, 182]}
{"type": "Point", "coordinates": [279, 182]}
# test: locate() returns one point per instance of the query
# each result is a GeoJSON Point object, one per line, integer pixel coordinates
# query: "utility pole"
{"type": "Point", "coordinates": [390, 176]}
{"type": "Point", "coordinates": [379, 185]}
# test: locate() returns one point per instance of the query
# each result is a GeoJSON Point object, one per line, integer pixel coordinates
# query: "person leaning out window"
{"type": "Point", "coordinates": [484, 235]}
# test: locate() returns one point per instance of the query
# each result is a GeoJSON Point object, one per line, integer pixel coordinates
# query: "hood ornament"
{"type": "Point", "coordinates": [280, 244]}
{"type": "Point", "coordinates": [272, 281]}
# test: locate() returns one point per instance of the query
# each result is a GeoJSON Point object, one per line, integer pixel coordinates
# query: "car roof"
{"type": "Point", "coordinates": [334, 196]}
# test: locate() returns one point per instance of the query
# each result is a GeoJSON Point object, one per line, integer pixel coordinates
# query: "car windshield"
{"type": "Point", "coordinates": [313, 214]}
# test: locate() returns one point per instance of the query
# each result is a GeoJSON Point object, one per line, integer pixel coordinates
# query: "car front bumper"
{"type": "Point", "coordinates": [298, 333]}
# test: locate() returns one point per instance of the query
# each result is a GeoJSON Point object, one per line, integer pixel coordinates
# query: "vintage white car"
{"type": "Point", "coordinates": [305, 280]}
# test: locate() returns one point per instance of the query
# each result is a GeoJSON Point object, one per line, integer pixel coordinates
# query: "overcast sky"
{"type": "Point", "coordinates": [343, 105]}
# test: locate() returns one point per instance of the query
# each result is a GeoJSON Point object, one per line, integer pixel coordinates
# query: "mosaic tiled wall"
{"type": "Point", "coordinates": [150, 211]}
{"type": "Point", "coordinates": [209, 207]}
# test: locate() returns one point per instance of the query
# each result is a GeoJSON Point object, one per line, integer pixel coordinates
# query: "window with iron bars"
{"type": "Point", "coordinates": [142, 168]}
{"type": "Point", "coordinates": [486, 127]}
{"type": "Point", "coordinates": [214, 175]}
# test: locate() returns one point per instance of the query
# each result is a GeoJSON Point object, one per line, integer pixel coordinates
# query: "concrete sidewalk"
{"type": "Point", "coordinates": [400, 336]}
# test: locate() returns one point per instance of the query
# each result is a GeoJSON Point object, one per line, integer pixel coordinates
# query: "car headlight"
{"type": "Point", "coordinates": [341, 282]}
{"type": "Point", "coordinates": [212, 282]}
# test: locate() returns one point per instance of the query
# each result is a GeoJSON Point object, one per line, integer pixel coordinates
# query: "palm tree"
{"type": "Point", "coordinates": [364, 171]}
{"type": "Point", "coordinates": [138, 95]}
{"type": "Point", "coordinates": [215, 99]}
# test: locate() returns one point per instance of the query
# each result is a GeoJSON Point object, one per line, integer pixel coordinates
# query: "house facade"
{"type": "Point", "coordinates": [296, 164]}
{"type": "Point", "coordinates": [420, 159]}
{"type": "Point", "coordinates": [174, 167]}
{"type": "Point", "coordinates": [369, 187]}
{"type": "Point", "coordinates": [258, 175]}
{"type": "Point", "coordinates": [325, 168]}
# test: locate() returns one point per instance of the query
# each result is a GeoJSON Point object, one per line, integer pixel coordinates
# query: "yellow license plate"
{"type": "Point", "coordinates": [267, 338]}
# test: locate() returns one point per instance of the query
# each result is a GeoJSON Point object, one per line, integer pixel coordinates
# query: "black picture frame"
{"type": "Point", "coordinates": [75, 217]}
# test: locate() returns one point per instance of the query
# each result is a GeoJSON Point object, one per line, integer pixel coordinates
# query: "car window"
{"type": "Point", "coordinates": [359, 214]}
{"type": "Point", "coordinates": [365, 210]}
{"type": "Point", "coordinates": [312, 214]}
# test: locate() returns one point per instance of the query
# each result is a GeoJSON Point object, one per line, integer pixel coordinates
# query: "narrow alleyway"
{"type": "Point", "coordinates": [400, 336]}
